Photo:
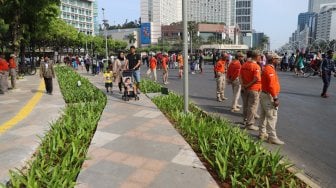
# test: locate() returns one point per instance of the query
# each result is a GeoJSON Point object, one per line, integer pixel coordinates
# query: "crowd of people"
{"type": "Point", "coordinates": [254, 78]}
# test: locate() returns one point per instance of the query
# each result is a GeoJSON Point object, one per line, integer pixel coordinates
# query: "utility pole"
{"type": "Point", "coordinates": [185, 56]}
{"type": "Point", "coordinates": [105, 28]}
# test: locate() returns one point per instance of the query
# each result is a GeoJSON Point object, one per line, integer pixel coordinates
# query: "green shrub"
{"type": "Point", "coordinates": [237, 159]}
{"type": "Point", "coordinates": [149, 86]}
{"type": "Point", "coordinates": [59, 158]}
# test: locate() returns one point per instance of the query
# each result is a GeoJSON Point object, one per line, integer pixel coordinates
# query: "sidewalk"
{"type": "Point", "coordinates": [136, 146]}
{"type": "Point", "coordinates": [20, 140]}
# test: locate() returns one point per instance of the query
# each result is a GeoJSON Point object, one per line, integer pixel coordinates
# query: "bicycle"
{"type": "Point", "coordinates": [26, 68]}
{"type": "Point", "coordinates": [309, 71]}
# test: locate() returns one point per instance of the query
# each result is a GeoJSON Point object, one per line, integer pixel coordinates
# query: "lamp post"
{"type": "Point", "coordinates": [105, 28]}
{"type": "Point", "coordinates": [185, 54]}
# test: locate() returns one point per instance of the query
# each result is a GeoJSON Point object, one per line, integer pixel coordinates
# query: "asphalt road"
{"type": "Point", "coordinates": [306, 121]}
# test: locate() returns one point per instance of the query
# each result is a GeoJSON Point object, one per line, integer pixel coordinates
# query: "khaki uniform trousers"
{"type": "Point", "coordinates": [220, 80]}
{"type": "Point", "coordinates": [236, 87]}
{"type": "Point", "coordinates": [3, 81]}
{"type": "Point", "coordinates": [12, 73]}
{"type": "Point", "coordinates": [250, 105]}
{"type": "Point", "coordinates": [268, 116]}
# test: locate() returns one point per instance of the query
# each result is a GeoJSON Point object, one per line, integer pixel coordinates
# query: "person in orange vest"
{"type": "Point", "coordinates": [232, 77]}
{"type": "Point", "coordinates": [250, 79]}
{"type": "Point", "coordinates": [180, 64]}
{"type": "Point", "coordinates": [220, 76]}
{"type": "Point", "coordinates": [12, 70]}
{"type": "Point", "coordinates": [152, 67]}
{"type": "Point", "coordinates": [3, 74]}
{"type": "Point", "coordinates": [165, 60]}
{"type": "Point", "coordinates": [269, 101]}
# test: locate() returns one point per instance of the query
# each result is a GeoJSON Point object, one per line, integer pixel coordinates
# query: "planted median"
{"type": "Point", "coordinates": [59, 159]}
{"type": "Point", "coordinates": [231, 155]}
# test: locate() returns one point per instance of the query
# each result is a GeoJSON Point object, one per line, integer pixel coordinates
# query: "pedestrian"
{"type": "Point", "coordinates": [250, 78]}
{"type": "Point", "coordinates": [47, 73]}
{"type": "Point", "coordinates": [220, 76]}
{"type": "Point", "coordinates": [232, 76]}
{"type": "Point", "coordinates": [165, 60]}
{"type": "Point", "coordinates": [12, 70]}
{"type": "Point", "coordinates": [284, 62]}
{"type": "Point", "coordinates": [299, 65]}
{"type": "Point", "coordinates": [180, 64]}
{"type": "Point", "coordinates": [87, 63]}
{"type": "Point", "coordinates": [201, 61]}
{"type": "Point", "coordinates": [119, 65]}
{"type": "Point", "coordinates": [292, 62]}
{"type": "Point", "coordinates": [94, 66]}
{"type": "Point", "coordinates": [152, 67]}
{"type": "Point", "coordinates": [3, 74]}
{"type": "Point", "coordinates": [269, 101]}
{"type": "Point", "coordinates": [133, 63]}
{"type": "Point", "coordinates": [108, 78]}
{"type": "Point", "coordinates": [327, 66]}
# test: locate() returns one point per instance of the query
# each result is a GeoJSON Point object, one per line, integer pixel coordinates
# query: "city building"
{"type": "Point", "coordinates": [80, 14]}
{"type": "Point", "coordinates": [155, 13]}
{"type": "Point", "coordinates": [326, 23]}
{"type": "Point", "coordinates": [244, 15]}
{"type": "Point", "coordinates": [123, 34]}
{"type": "Point", "coordinates": [217, 32]}
{"type": "Point", "coordinates": [306, 19]}
{"type": "Point", "coordinates": [211, 11]}
{"type": "Point", "coordinates": [95, 18]}
{"type": "Point", "coordinates": [315, 5]}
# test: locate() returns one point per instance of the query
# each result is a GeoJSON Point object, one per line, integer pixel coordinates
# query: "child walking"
{"type": "Point", "coordinates": [108, 77]}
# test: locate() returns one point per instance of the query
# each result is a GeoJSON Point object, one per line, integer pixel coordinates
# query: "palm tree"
{"type": "Point", "coordinates": [131, 38]}
{"type": "Point", "coordinates": [264, 42]}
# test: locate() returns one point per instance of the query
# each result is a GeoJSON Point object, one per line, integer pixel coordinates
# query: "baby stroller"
{"type": "Point", "coordinates": [129, 86]}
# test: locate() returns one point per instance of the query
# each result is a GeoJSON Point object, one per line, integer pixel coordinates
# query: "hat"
{"type": "Point", "coordinates": [239, 54]}
{"type": "Point", "coordinates": [272, 56]}
{"type": "Point", "coordinates": [255, 53]}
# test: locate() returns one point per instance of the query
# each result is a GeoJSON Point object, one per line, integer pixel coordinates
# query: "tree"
{"type": "Point", "coordinates": [264, 42]}
{"type": "Point", "coordinates": [131, 38]}
{"type": "Point", "coordinates": [27, 20]}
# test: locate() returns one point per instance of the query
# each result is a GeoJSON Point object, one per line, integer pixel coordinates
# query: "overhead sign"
{"type": "Point", "coordinates": [145, 33]}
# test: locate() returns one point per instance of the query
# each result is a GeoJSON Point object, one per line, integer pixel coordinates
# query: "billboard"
{"type": "Point", "coordinates": [145, 33]}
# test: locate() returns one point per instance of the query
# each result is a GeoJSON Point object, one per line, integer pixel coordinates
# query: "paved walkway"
{"type": "Point", "coordinates": [136, 146]}
{"type": "Point", "coordinates": [25, 113]}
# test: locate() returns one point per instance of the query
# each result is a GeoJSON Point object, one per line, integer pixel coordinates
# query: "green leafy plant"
{"type": "Point", "coordinates": [237, 159]}
{"type": "Point", "coordinates": [63, 150]}
{"type": "Point", "coordinates": [148, 86]}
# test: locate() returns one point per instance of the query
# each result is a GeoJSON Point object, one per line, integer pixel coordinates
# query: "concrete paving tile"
{"type": "Point", "coordinates": [147, 114]}
{"type": "Point", "coordinates": [143, 176]}
{"type": "Point", "coordinates": [99, 153]}
{"type": "Point", "coordinates": [28, 130]}
{"type": "Point", "coordinates": [130, 184]}
{"type": "Point", "coordinates": [139, 147]}
{"type": "Point", "coordinates": [135, 161]}
{"type": "Point", "coordinates": [165, 130]}
{"type": "Point", "coordinates": [101, 138]}
{"type": "Point", "coordinates": [105, 174]}
{"type": "Point", "coordinates": [178, 176]}
{"type": "Point", "coordinates": [154, 165]}
{"type": "Point", "coordinates": [11, 101]}
{"type": "Point", "coordinates": [124, 125]}
{"type": "Point", "coordinates": [117, 157]}
{"type": "Point", "coordinates": [189, 158]}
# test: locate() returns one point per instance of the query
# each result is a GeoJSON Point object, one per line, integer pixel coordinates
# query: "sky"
{"type": "Point", "coordinates": [276, 18]}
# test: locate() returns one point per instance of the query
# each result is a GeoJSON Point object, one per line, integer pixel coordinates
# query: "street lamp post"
{"type": "Point", "coordinates": [105, 28]}
{"type": "Point", "coordinates": [185, 54]}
